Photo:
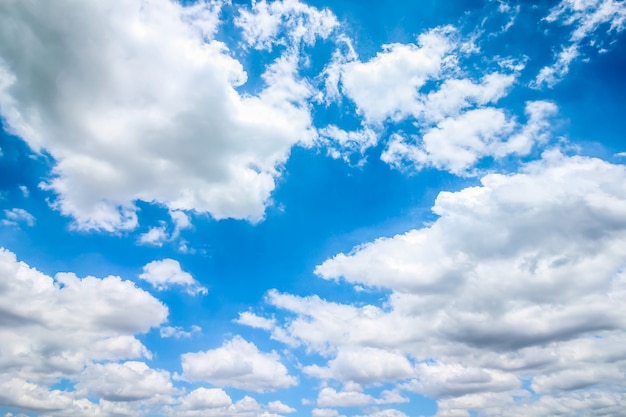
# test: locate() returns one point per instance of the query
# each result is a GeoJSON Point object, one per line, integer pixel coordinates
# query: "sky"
{"type": "Point", "coordinates": [329, 209]}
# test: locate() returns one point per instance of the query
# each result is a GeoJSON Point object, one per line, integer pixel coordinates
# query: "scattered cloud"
{"type": "Point", "coordinates": [165, 273]}
{"type": "Point", "coordinates": [519, 278]}
{"type": "Point", "coordinates": [92, 95]}
{"type": "Point", "coordinates": [285, 23]}
{"type": "Point", "coordinates": [584, 19]}
{"type": "Point", "coordinates": [52, 328]}
{"type": "Point", "coordinates": [128, 381]}
{"type": "Point", "coordinates": [178, 332]}
{"type": "Point", "coordinates": [237, 364]}
{"type": "Point", "coordinates": [17, 216]}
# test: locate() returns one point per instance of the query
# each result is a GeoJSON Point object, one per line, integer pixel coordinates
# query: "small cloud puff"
{"type": "Point", "coordinates": [166, 273]}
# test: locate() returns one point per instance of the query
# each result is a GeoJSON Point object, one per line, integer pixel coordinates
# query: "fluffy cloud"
{"type": "Point", "coordinates": [52, 328]}
{"type": "Point", "coordinates": [455, 122]}
{"type": "Point", "coordinates": [128, 381]}
{"type": "Point", "coordinates": [16, 216]}
{"type": "Point", "coordinates": [519, 279]}
{"type": "Point", "coordinates": [364, 366]}
{"type": "Point", "coordinates": [386, 87]}
{"type": "Point", "coordinates": [328, 397]}
{"type": "Point", "coordinates": [167, 272]}
{"type": "Point", "coordinates": [237, 364]}
{"type": "Point", "coordinates": [178, 332]}
{"type": "Point", "coordinates": [214, 402]}
{"type": "Point", "coordinates": [456, 144]}
{"type": "Point", "coordinates": [139, 102]}
{"type": "Point", "coordinates": [284, 22]}
{"type": "Point", "coordinates": [584, 18]}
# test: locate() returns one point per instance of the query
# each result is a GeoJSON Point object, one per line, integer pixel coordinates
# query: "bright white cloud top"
{"type": "Point", "coordinates": [272, 208]}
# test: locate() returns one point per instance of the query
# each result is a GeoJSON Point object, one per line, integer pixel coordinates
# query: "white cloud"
{"type": "Point", "coordinates": [455, 123]}
{"type": "Point", "coordinates": [248, 318]}
{"type": "Point", "coordinates": [284, 22]}
{"type": "Point", "coordinates": [178, 332]}
{"type": "Point", "coordinates": [215, 402]}
{"type": "Point", "coordinates": [237, 364]}
{"type": "Point", "coordinates": [364, 366]}
{"type": "Point", "coordinates": [585, 18]}
{"type": "Point", "coordinates": [456, 144]}
{"type": "Point", "coordinates": [167, 272]}
{"type": "Point", "coordinates": [52, 328]}
{"type": "Point", "coordinates": [342, 144]}
{"type": "Point", "coordinates": [128, 381]}
{"type": "Point", "coordinates": [279, 407]}
{"type": "Point", "coordinates": [386, 413]}
{"type": "Point", "coordinates": [16, 216]}
{"type": "Point", "coordinates": [520, 279]}
{"type": "Point", "coordinates": [155, 236]}
{"type": "Point", "coordinates": [324, 412]}
{"type": "Point", "coordinates": [386, 87]}
{"type": "Point", "coordinates": [328, 397]}
{"type": "Point", "coordinates": [138, 102]}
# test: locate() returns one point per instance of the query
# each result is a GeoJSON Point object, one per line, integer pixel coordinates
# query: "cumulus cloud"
{"type": "Point", "coordinates": [328, 397]}
{"type": "Point", "coordinates": [456, 144]}
{"type": "Point", "coordinates": [215, 402]}
{"type": "Point", "coordinates": [52, 328]}
{"type": "Point", "coordinates": [17, 216]}
{"type": "Point", "coordinates": [364, 366]}
{"type": "Point", "coordinates": [584, 18]}
{"type": "Point", "coordinates": [128, 381]}
{"type": "Point", "coordinates": [455, 122]}
{"type": "Point", "coordinates": [167, 272]}
{"type": "Point", "coordinates": [237, 364]}
{"type": "Point", "coordinates": [140, 102]}
{"type": "Point", "coordinates": [248, 318]}
{"type": "Point", "coordinates": [386, 87]}
{"type": "Point", "coordinates": [178, 332]}
{"type": "Point", "coordinates": [325, 412]}
{"type": "Point", "coordinates": [520, 279]}
{"type": "Point", "coordinates": [284, 22]}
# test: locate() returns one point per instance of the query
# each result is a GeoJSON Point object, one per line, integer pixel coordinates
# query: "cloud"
{"type": "Point", "coordinates": [284, 22]}
{"type": "Point", "coordinates": [456, 144]}
{"type": "Point", "coordinates": [324, 412]}
{"type": "Point", "coordinates": [278, 407]}
{"type": "Point", "coordinates": [215, 402]}
{"type": "Point", "coordinates": [248, 318]}
{"type": "Point", "coordinates": [455, 123]}
{"type": "Point", "coordinates": [155, 236]}
{"type": "Point", "coordinates": [386, 87]}
{"type": "Point", "coordinates": [364, 366]}
{"type": "Point", "coordinates": [328, 397]}
{"type": "Point", "coordinates": [16, 216]}
{"type": "Point", "coordinates": [167, 272]}
{"type": "Point", "coordinates": [178, 332]}
{"type": "Point", "coordinates": [585, 19]}
{"type": "Point", "coordinates": [519, 280]}
{"type": "Point", "coordinates": [128, 381]}
{"type": "Point", "coordinates": [53, 328]}
{"type": "Point", "coordinates": [140, 102]}
{"type": "Point", "coordinates": [386, 413]}
{"type": "Point", "coordinates": [237, 364]}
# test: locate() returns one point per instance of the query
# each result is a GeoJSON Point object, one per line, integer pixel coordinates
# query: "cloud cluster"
{"type": "Point", "coordinates": [51, 328]}
{"type": "Point", "coordinates": [138, 101]}
{"type": "Point", "coordinates": [83, 333]}
{"type": "Point", "coordinates": [455, 121]}
{"type": "Point", "coordinates": [584, 18]}
{"type": "Point", "coordinates": [239, 364]}
{"type": "Point", "coordinates": [512, 299]}
{"type": "Point", "coordinates": [167, 272]}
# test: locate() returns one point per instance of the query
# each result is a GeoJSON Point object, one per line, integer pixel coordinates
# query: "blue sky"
{"type": "Point", "coordinates": [317, 209]}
